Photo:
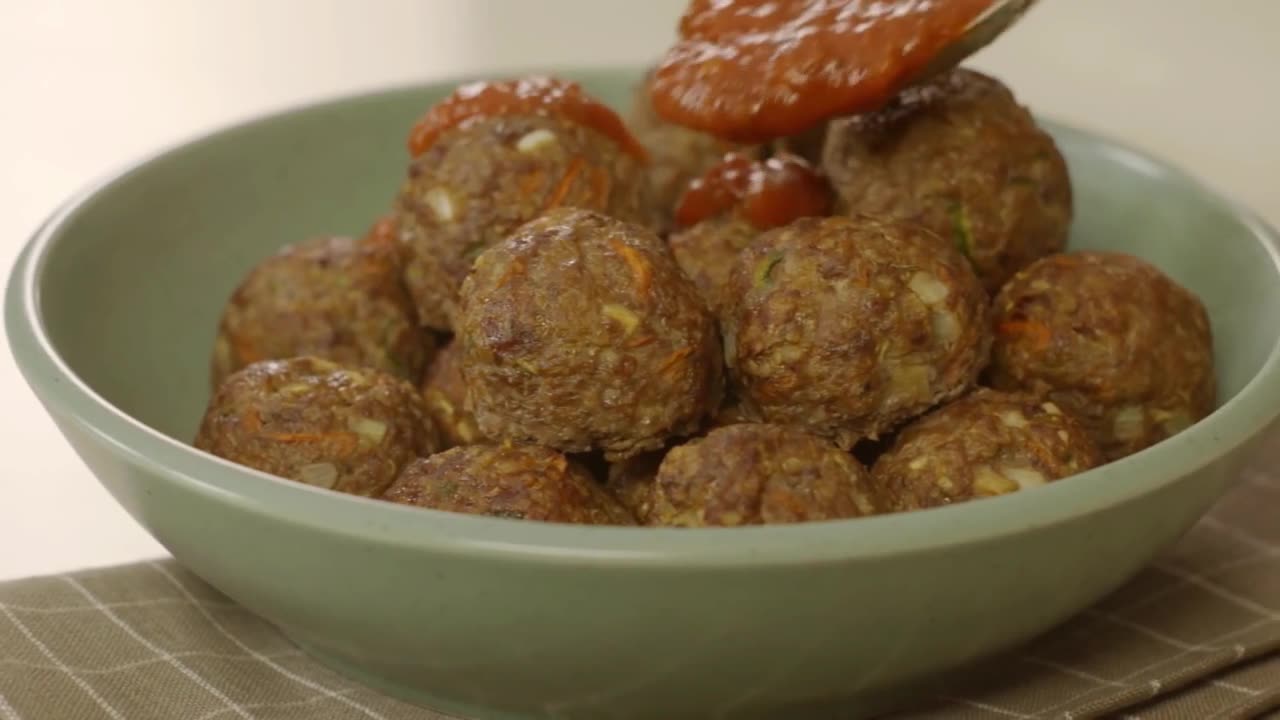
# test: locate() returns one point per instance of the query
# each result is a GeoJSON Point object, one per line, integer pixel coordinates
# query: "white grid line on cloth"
{"type": "Point", "coordinates": [62, 667]}
{"type": "Point", "coordinates": [956, 700]}
{"type": "Point", "coordinates": [1237, 534]}
{"type": "Point", "coordinates": [1224, 593]}
{"type": "Point", "coordinates": [168, 657]}
{"type": "Point", "coordinates": [265, 660]}
{"type": "Point", "coordinates": [143, 663]}
{"type": "Point", "coordinates": [1186, 649]}
{"type": "Point", "coordinates": [1068, 670]}
{"type": "Point", "coordinates": [1203, 575]}
{"type": "Point", "coordinates": [114, 606]}
{"type": "Point", "coordinates": [1232, 686]}
{"type": "Point", "coordinates": [263, 706]}
{"type": "Point", "coordinates": [6, 710]}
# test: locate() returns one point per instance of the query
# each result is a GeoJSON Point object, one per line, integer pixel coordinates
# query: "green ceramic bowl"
{"type": "Point", "coordinates": [111, 311]}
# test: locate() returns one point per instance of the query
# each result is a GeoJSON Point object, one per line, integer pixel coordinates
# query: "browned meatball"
{"type": "Point", "coordinates": [848, 327]}
{"type": "Point", "coordinates": [1111, 339]}
{"type": "Point", "coordinates": [986, 443]}
{"type": "Point", "coordinates": [317, 422]}
{"type": "Point", "coordinates": [580, 332]}
{"type": "Point", "coordinates": [481, 181]}
{"type": "Point", "coordinates": [336, 297]}
{"type": "Point", "coordinates": [751, 474]}
{"type": "Point", "coordinates": [961, 156]}
{"type": "Point", "coordinates": [524, 482]}
{"type": "Point", "coordinates": [677, 154]}
{"type": "Point", "coordinates": [445, 393]}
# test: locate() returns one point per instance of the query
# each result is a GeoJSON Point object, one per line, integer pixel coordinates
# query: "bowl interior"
{"type": "Point", "coordinates": [133, 281]}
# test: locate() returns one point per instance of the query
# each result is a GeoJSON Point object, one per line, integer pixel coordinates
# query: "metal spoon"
{"type": "Point", "coordinates": [986, 28]}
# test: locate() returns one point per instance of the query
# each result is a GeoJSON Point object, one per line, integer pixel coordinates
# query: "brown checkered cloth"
{"type": "Point", "coordinates": [1194, 637]}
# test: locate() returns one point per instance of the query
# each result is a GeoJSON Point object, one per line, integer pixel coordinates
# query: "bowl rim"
{"type": "Point", "coordinates": [1243, 418]}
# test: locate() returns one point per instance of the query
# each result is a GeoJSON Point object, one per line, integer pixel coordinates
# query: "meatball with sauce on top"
{"type": "Point", "coordinates": [723, 211]}
{"type": "Point", "coordinates": [495, 155]}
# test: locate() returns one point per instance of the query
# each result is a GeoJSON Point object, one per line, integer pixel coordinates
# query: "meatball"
{"type": "Point", "coordinates": [523, 482]}
{"type": "Point", "coordinates": [1112, 340]}
{"type": "Point", "coordinates": [335, 297]}
{"type": "Point", "coordinates": [848, 327]}
{"type": "Point", "coordinates": [961, 156]}
{"type": "Point", "coordinates": [445, 393]}
{"type": "Point", "coordinates": [756, 474]}
{"type": "Point", "coordinates": [725, 209]}
{"type": "Point", "coordinates": [482, 180]}
{"type": "Point", "coordinates": [677, 154]}
{"type": "Point", "coordinates": [314, 421]}
{"type": "Point", "coordinates": [580, 332]}
{"type": "Point", "coordinates": [986, 443]}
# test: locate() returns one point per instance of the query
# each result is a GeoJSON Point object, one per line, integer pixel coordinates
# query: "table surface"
{"type": "Point", "coordinates": [89, 85]}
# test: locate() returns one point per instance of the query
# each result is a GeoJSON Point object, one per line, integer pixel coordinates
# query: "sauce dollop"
{"type": "Point", "coordinates": [534, 95]}
{"type": "Point", "coordinates": [768, 193]}
{"type": "Point", "coordinates": [755, 70]}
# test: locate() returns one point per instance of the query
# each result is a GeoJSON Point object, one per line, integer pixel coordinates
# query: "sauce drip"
{"type": "Point", "coordinates": [769, 193]}
{"type": "Point", "coordinates": [754, 70]}
{"type": "Point", "coordinates": [535, 95]}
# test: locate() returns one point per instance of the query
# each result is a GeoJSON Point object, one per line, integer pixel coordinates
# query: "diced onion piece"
{"type": "Point", "coordinates": [368, 429]}
{"type": "Point", "coordinates": [324, 475]}
{"type": "Point", "coordinates": [532, 141]}
{"type": "Point", "coordinates": [1024, 477]}
{"type": "Point", "coordinates": [622, 315]}
{"type": "Point", "coordinates": [986, 481]}
{"type": "Point", "coordinates": [1129, 422]}
{"type": "Point", "coordinates": [1051, 408]}
{"type": "Point", "coordinates": [945, 327]}
{"type": "Point", "coordinates": [909, 382]}
{"type": "Point", "coordinates": [1013, 419]}
{"type": "Point", "coordinates": [928, 288]}
{"type": "Point", "coordinates": [441, 204]}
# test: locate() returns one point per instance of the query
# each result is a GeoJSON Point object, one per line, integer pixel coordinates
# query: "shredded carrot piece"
{"type": "Point", "coordinates": [674, 359]}
{"type": "Point", "coordinates": [566, 182]}
{"type": "Point", "coordinates": [601, 186]}
{"type": "Point", "coordinates": [347, 442]}
{"type": "Point", "coordinates": [1038, 331]}
{"type": "Point", "coordinates": [252, 420]}
{"type": "Point", "coordinates": [515, 268]}
{"type": "Point", "coordinates": [246, 353]}
{"type": "Point", "coordinates": [639, 342]}
{"type": "Point", "coordinates": [640, 269]}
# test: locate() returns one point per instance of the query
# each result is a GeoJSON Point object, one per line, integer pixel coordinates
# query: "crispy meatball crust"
{"type": "Point", "coordinates": [677, 154]}
{"type": "Point", "coordinates": [848, 327]}
{"type": "Point", "coordinates": [1111, 339]}
{"type": "Point", "coordinates": [580, 332]}
{"type": "Point", "coordinates": [961, 156]}
{"type": "Point", "coordinates": [479, 182]}
{"type": "Point", "coordinates": [705, 252]}
{"type": "Point", "coordinates": [335, 297]}
{"type": "Point", "coordinates": [314, 421]}
{"type": "Point", "coordinates": [524, 482]}
{"type": "Point", "coordinates": [984, 444]}
{"type": "Point", "coordinates": [445, 393]}
{"type": "Point", "coordinates": [757, 474]}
